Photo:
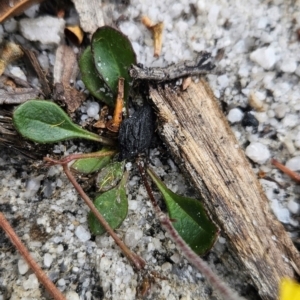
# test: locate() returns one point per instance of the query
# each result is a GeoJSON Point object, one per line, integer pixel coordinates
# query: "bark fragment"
{"type": "Point", "coordinates": [201, 140]}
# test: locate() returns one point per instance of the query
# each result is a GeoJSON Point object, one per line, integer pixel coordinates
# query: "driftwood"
{"type": "Point", "coordinates": [198, 135]}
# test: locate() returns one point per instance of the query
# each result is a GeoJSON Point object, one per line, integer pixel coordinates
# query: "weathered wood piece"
{"type": "Point", "coordinates": [198, 135]}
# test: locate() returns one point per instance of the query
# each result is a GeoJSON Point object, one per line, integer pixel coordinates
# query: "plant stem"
{"type": "Point", "coordinates": [137, 261]}
{"type": "Point", "coordinates": [72, 157]}
{"type": "Point", "coordinates": [40, 274]}
{"type": "Point", "coordinates": [295, 176]}
{"type": "Point", "coordinates": [225, 291]}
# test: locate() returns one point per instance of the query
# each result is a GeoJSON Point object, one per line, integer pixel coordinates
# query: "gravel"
{"type": "Point", "coordinates": [257, 75]}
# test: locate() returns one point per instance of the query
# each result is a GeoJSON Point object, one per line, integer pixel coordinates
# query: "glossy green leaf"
{"type": "Point", "coordinates": [190, 218]}
{"type": "Point", "coordinates": [93, 82]}
{"type": "Point", "coordinates": [113, 55]}
{"type": "Point", "coordinates": [91, 165]}
{"type": "Point", "coordinates": [110, 176]}
{"type": "Point", "coordinates": [45, 122]}
{"type": "Point", "coordinates": [113, 205]}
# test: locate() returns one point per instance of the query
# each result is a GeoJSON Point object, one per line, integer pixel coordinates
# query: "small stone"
{"type": "Point", "coordinates": [282, 214]}
{"type": "Point", "coordinates": [265, 57]}
{"type": "Point", "coordinates": [281, 110]}
{"type": "Point", "coordinates": [22, 266]}
{"type": "Point", "coordinates": [293, 163]}
{"type": "Point", "coordinates": [256, 100]}
{"type": "Point", "coordinates": [92, 109]}
{"type": "Point", "coordinates": [48, 259]}
{"type": "Point", "coordinates": [31, 283]}
{"type": "Point", "coordinates": [175, 258]}
{"type": "Point", "coordinates": [166, 267]}
{"type": "Point", "coordinates": [290, 120]}
{"type": "Point", "coordinates": [223, 81]}
{"type": "Point", "coordinates": [71, 295]}
{"type": "Point", "coordinates": [132, 236]}
{"type": "Point", "coordinates": [10, 25]}
{"type": "Point", "coordinates": [288, 66]}
{"type": "Point", "coordinates": [17, 71]}
{"type": "Point", "coordinates": [82, 234]}
{"type": "Point", "coordinates": [46, 29]}
{"type": "Point", "coordinates": [258, 152]}
{"type": "Point", "coordinates": [235, 115]}
{"type": "Point", "coordinates": [293, 206]}
{"type": "Point", "coordinates": [61, 282]}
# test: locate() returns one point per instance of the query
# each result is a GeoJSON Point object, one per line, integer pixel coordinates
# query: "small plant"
{"type": "Point", "coordinates": [105, 71]}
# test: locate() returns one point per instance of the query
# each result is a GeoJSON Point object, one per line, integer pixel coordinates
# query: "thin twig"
{"type": "Point", "coordinates": [72, 157]}
{"type": "Point", "coordinates": [216, 282]}
{"type": "Point", "coordinates": [187, 68]}
{"type": "Point", "coordinates": [40, 274]}
{"type": "Point", "coordinates": [137, 261]}
{"type": "Point", "coordinates": [295, 176]}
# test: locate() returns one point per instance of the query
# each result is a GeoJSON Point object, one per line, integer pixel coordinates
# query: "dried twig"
{"type": "Point", "coordinates": [114, 124]}
{"type": "Point", "coordinates": [225, 292]}
{"type": "Point", "coordinates": [137, 261]}
{"type": "Point", "coordinates": [157, 30]}
{"type": "Point", "coordinates": [186, 68]}
{"type": "Point", "coordinates": [40, 274]}
{"type": "Point", "coordinates": [295, 176]}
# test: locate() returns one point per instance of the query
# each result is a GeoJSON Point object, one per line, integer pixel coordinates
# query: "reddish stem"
{"type": "Point", "coordinates": [137, 261]}
{"type": "Point", "coordinates": [216, 282]}
{"type": "Point", "coordinates": [71, 157]}
{"type": "Point", "coordinates": [295, 176]}
{"type": "Point", "coordinates": [40, 274]}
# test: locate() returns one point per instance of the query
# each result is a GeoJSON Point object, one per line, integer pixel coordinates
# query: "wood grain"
{"type": "Point", "coordinates": [198, 135]}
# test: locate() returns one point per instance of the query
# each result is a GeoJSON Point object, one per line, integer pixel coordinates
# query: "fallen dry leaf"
{"type": "Point", "coordinates": [10, 8]}
{"type": "Point", "coordinates": [65, 73]}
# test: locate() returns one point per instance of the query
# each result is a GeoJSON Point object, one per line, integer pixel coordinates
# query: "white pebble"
{"type": "Point", "coordinates": [48, 259]}
{"type": "Point", "coordinates": [166, 267]}
{"type": "Point", "coordinates": [223, 81]}
{"type": "Point", "coordinates": [10, 25]}
{"type": "Point", "coordinates": [17, 71]}
{"type": "Point", "coordinates": [293, 163]}
{"type": "Point", "coordinates": [288, 66]}
{"type": "Point", "coordinates": [265, 57]}
{"type": "Point", "coordinates": [92, 109]}
{"type": "Point", "coordinates": [32, 11]}
{"type": "Point", "coordinates": [290, 120]}
{"type": "Point", "coordinates": [281, 110]}
{"type": "Point", "coordinates": [22, 266]}
{"type": "Point", "coordinates": [282, 214]}
{"type": "Point", "coordinates": [235, 115]}
{"type": "Point", "coordinates": [46, 29]}
{"type": "Point", "coordinates": [83, 234]}
{"type": "Point", "coordinates": [293, 206]}
{"type": "Point", "coordinates": [31, 283]}
{"type": "Point", "coordinates": [32, 186]}
{"type": "Point", "coordinates": [61, 282]}
{"type": "Point", "coordinates": [133, 236]}
{"type": "Point", "coordinates": [71, 295]}
{"type": "Point", "coordinates": [258, 152]}
{"type": "Point", "coordinates": [175, 258]}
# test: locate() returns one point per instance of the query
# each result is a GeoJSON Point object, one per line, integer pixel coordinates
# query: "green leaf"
{"type": "Point", "coordinates": [45, 122]}
{"type": "Point", "coordinates": [113, 205]}
{"type": "Point", "coordinates": [190, 218]}
{"type": "Point", "coordinates": [110, 176]}
{"type": "Point", "coordinates": [91, 165]}
{"type": "Point", "coordinates": [93, 82]}
{"type": "Point", "coordinates": [113, 55]}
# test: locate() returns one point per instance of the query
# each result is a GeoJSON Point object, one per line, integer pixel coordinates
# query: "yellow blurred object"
{"type": "Point", "coordinates": [8, 53]}
{"type": "Point", "coordinates": [74, 34]}
{"type": "Point", "coordinates": [289, 289]}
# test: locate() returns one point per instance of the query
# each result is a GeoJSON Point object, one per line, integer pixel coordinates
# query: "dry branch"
{"type": "Point", "coordinates": [201, 140]}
